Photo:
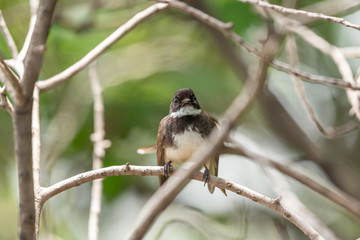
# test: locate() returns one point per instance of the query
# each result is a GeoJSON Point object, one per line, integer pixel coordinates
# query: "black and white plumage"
{"type": "Point", "coordinates": [183, 131]}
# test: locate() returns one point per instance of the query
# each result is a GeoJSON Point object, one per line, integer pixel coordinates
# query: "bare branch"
{"type": "Point", "coordinates": [34, 5]}
{"type": "Point", "coordinates": [36, 151]}
{"type": "Point", "coordinates": [331, 7]}
{"type": "Point", "coordinates": [138, 18]}
{"type": "Point", "coordinates": [274, 204]}
{"type": "Point", "coordinates": [11, 82]}
{"type": "Point", "coordinates": [162, 198]}
{"type": "Point", "coordinates": [22, 122]}
{"type": "Point", "coordinates": [284, 10]}
{"type": "Point", "coordinates": [100, 144]}
{"type": "Point", "coordinates": [8, 38]}
{"type": "Point", "coordinates": [4, 101]}
{"type": "Point", "coordinates": [37, 47]}
{"type": "Point", "coordinates": [318, 42]}
{"type": "Point", "coordinates": [312, 78]}
{"type": "Point", "coordinates": [226, 29]}
{"type": "Point", "coordinates": [338, 196]}
{"type": "Point", "coordinates": [351, 52]}
{"type": "Point", "coordinates": [291, 201]}
{"type": "Point", "coordinates": [330, 132]}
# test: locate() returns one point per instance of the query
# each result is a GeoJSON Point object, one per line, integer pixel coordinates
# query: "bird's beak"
{"type": "Point", "coordinates": [186, 100]}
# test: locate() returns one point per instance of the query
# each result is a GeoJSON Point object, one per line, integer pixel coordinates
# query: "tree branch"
{"type": "Point", "coordinates": [138, 18]}
{"type": "Point", "coordinates": [11, 82]}
{"type": "Point", "coordinates": [330, 132]}
{"type": "Point", "coordinates": [225, 28]}
{"type": "Point", "coordinates": [23, 122]}
{"type": "Point", "coordinates": [37, 47]}
{"type": "Point", "coordinates": [338, 196]}
{"type": "Point", "coordinates": [285, 10]}
{"type": "Point", "coordinates": [318, 42]}
{"type": "Point", "coordinates": [100, 144]}
{"type": "Point", "coordinates": [125, 170]}
{"type": "Point", "coordinates": [4, 101]}
{"type": "Point", "coordinates": [8, 38]}
{"type": "Point", "coordinates": [36, 151]}
{"type": "Point", "coordinates": [291, 201]}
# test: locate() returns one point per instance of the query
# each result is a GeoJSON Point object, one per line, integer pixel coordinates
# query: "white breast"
{"type": "Point", "coordinates": [186, 144]}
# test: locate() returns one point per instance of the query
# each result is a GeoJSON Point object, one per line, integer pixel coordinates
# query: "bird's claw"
{"type": "Point", "coordinates": [167, 169]}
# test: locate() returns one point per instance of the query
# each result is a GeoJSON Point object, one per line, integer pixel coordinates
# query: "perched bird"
{"type": "Point", "coordinates": [182, 132]}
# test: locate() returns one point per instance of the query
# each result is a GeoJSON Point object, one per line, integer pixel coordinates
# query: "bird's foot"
{"type": "Point", "coordinates": [206, 176]}
{"type": "Point", "coordinates": [167, 169]}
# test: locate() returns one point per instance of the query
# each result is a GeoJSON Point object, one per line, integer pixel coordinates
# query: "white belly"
{"type": "Point", "coordinates": [186, 144]}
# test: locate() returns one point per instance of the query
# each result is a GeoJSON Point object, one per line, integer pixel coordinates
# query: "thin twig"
{"type": "Point", "coordinates": [138, 18]}
{"type": "Point", "coordinates": [11, 82]}
{"type": "Point", "coordinates": [34, 5]}
{"type": "Point", "coordinates": [163, 197]}
{"type": "Point", "coordinates": [331, 7]}
{"type": "Point", "coordinates": [226, 29]}
{"type": "Point", "coordinates": [318, 42]}
{"type": "Point", "coordinates": [8, 38]}
{"type": "Point", "coordinates": [330, 132]}
{"type": "Point", "coordinates": [4, 101]}
{"type": "Point", "coordinates": [284, 10]}
{"type": "Point", "coordinates": [100, 144]}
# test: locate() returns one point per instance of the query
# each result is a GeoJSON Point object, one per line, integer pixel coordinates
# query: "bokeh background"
{"type": "Point", "coordinates": [139, 75]}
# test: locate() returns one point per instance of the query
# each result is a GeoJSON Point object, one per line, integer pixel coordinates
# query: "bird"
{"type": "Point", "coordinates": [181, 133]}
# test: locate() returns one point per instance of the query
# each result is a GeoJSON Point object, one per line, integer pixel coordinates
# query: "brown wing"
{"type": "Point", "coordinates": [213, 164]}
{"type": "Point", "coordinates": [160, 152]}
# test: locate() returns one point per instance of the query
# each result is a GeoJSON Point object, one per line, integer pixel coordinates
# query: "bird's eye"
{"type": "Point", "coordinates": [176, 100]}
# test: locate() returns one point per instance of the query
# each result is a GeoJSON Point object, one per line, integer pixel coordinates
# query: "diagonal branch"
{"type": "Point", "coordinates": [11, 82]}
{"type": "Point", "coordinates": [8, 38]}
{"type": "Point", "coordinates": [4, 101]}
{"type": "Point", "coordinates": [225, 28]}
{"type": "Point", "coordinates": [163, 197]}
{"type": "Point", "coordinates": [285, 10]}
{"type": "Point", "coordinates": [330, 132]}
{"type": "Point", "coordinates": [138, 18]}
{"type": "Point", "coordinates": [318, 42]}
{"type": "Point", "coordinates": [37, 46]}
{"type": "Point", "coordinates": [339, 197]}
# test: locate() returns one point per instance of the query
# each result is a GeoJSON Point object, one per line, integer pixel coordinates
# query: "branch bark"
{"type": "Point", "coordinates": [23, 121]}
{"type": "Point", "coordinates": [100, 144]}
{"type": "Point", "coordinates": [272, 203]}
{"type": "Point", "coordinates": [285, 10]}
{"type": "Point", "coordinates": [58, 79]}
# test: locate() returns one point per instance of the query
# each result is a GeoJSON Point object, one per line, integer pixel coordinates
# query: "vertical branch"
{"type": "Point", "coordinates": [22, 121]}
{"type": "Point", "coordinates": [36, 150]}
{"type": "Point", "coordinates": [100, 144]}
